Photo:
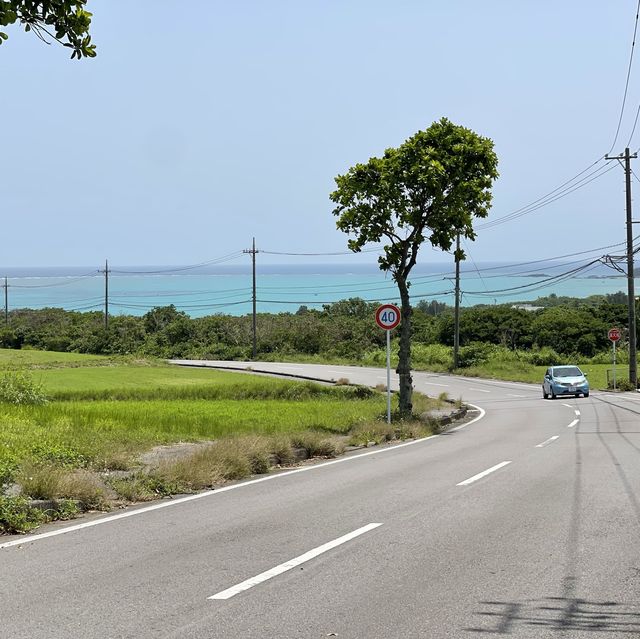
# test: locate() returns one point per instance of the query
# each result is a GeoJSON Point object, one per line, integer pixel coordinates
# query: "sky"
{"type": "Point", "coordinates": [195, 130]}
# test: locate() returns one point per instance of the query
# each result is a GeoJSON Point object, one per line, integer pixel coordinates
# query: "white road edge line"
{"type": "Point", "coordinates": [484, 473]}
{"type": "Point", "coordinates": [512, 395]}
{"type": "Point", "coordinates": [548, 441]}
{"type": "Point", "coordinates": [577, 412]}
{"type": "Point", "coordinates": [573, 423]}
{"type": "Point", "coordinates": [434, 384]}
{"type": "Point", "coordinates": [292, 563]}
{"type": "Point", "coordinates": [181, 500]}
{"type": "Point", "coordinates": [479, 390]}
{"type": "Point", "coordinates": [568, 405]}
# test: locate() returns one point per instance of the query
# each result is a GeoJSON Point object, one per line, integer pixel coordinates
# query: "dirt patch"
{"type": "Point", "coordinates": [172, 452]}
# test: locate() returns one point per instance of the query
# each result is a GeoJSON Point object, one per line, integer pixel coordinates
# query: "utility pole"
{"type": "Point", "coordinates": [106, 293]}
{"type": "Point", "coordinates": [6, 301]}
{"type": "Point", "coordinates": [252, 251]}
{"type": "Point", "coordinates": [456, 312]}
{"type": "Point", "coordinates": [631, 297]}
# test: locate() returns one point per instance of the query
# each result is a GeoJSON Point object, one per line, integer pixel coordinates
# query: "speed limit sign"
{"type": "Point", "coordinates": [387, 316]}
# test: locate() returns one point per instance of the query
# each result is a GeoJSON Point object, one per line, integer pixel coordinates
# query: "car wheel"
{"type": "Point", "coordinates": [545, 395]}
{"type": "Point", "coordinates": [586, 394]}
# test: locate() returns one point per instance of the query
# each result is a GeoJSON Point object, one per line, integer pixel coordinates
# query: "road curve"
{"type": "Point", "coordinates": [524, 524]}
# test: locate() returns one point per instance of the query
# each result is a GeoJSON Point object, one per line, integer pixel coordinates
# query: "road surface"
{"type": "Point", "coordinates": [524, 523]}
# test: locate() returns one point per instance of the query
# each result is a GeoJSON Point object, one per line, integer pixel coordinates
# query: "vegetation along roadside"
{"type": "Point", "coordinates": [79, 432]}
{"type": "Point", "coordinates": [504, 341]}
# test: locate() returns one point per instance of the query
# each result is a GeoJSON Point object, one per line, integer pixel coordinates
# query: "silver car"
{"type": "Point", "coordinates": [564, 380]}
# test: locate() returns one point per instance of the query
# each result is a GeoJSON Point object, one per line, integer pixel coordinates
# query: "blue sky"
{"type": "Point", "coordinates": [193, 131]}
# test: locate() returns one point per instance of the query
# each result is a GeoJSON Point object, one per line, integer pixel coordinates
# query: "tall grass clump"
{"type": "Point", "coordinates": [19, 388]}
{"type": "Point", "coordinates": [377, 432]}
{"type": "Point", "coordinates": [47, 481]}
{"type": "Point", "coordinates": [317, 445]}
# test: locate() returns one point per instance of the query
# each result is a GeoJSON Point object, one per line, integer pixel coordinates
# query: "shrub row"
{"type": "Point", "coordinates": [345, 329]}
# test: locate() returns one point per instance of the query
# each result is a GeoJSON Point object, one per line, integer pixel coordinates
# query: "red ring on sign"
{"type": "Point", "coordinates": [392, 318]}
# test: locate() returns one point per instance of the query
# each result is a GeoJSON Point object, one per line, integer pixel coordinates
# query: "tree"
{"type": "Point", "coordinates": [65, 21]}
{"type": "Point", "coordinates": [429, 188]}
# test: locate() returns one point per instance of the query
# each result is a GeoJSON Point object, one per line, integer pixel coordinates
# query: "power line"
{"type": "Point", "coordinates": [179, 269]}
{"type": "Point", "coordinates": [560, 277]}
{"type": "Point", "coordinates": [56, 284]}
{"type": "Point", "coordinates": [184, 307]}
{"type": "Point", "coordinates": [626, 85]}
{"type": "Point", "coordinates": [546, 200]}
{"type": "Point", "coordinates": [369, 250]}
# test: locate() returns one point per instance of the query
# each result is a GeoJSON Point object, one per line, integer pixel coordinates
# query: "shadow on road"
{"type": "Point", "coordinates": [570, 612]}
{"type": "Point", "coordinates": [560, 614]}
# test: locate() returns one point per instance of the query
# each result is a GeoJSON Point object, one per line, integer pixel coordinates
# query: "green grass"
{"type": "Point", "coordinates": [14, 359]}
{"type": "Point", "coordinates": [88, 427]}
{"type": "Point", "coordinates": [102, 417]}
{"type": "Point", "coordinates": [510, 371]}
{"type": "Point", "coordinates": [172, 382]}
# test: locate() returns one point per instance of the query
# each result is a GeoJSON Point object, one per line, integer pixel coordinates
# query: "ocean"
{"type": "Point", "coordinates": [284, 288]}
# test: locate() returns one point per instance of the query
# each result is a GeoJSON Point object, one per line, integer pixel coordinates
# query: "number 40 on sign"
{"type": "Point", "coordinates": [387, 316]}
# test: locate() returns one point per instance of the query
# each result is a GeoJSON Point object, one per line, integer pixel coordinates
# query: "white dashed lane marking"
{"type": "Point", "coordinates": [484, 473]}
{"type": "Point", "coordinates": [292, 563]}
{"type": "Point", "coordinates": [548, 441]}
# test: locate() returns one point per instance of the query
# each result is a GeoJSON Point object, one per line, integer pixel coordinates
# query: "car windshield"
{"type": "Point", "coordinates": [567, 371]}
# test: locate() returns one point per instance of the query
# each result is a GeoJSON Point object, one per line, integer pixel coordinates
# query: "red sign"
{"type": "Point", "coordinates": [387, 316]}
{"type": "Point", "coordinates": [614, 334]}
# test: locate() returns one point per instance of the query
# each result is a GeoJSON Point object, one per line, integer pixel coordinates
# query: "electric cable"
{"type": "Point", "coordinates": [65, 283]}
{"type": "Point", "coordinates": [546, 200]}
{"type": "Point", "coordinates": [178, 269]}
{"type": "Point", "coordinates": [626, 86]}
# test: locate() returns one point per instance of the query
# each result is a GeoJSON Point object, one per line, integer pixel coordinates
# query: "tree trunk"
{"type": "Point", "coordinates": [404, 353]}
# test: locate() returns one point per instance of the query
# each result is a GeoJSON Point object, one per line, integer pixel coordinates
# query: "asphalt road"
{"type": "Point", "coordinates": [524, 523]}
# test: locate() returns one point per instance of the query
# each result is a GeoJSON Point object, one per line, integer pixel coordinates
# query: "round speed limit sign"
{"type": "Point", "coordinates": [387, 316]}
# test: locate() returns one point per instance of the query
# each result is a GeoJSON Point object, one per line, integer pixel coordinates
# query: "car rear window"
{"type": "Point", "coordinates": [567, 371]}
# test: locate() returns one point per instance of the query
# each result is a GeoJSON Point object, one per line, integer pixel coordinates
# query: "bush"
{"type": "Point", "coordinates": [544, 356]}
{"type": "Point", "coordinates": [16, 516]}
{"type": "Point", "coordinates": [432, 355]}
{"type": "Point", "coordinates": [19, 387]}
{"type": "Point", "coordinates": [622, 384]}
{"type": "Point", "coordinates": [8, 469]}
{"type": "Point", "coordinates": [475, 354]}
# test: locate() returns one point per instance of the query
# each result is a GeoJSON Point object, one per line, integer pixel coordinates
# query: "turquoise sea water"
{"type": "Point", "coordinates": [286, 288]}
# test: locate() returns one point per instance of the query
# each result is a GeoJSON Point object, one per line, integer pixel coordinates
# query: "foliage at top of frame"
{"type": "Point", "coordinates": [65, 21]}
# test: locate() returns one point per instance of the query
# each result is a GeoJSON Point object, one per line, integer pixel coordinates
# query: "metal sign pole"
{"type": "Point", "coordinates": [387, 318]}
{"type": "Point", "coordinates": [388, 377]}
{"type": "Point", "coordinates": [614, 365]}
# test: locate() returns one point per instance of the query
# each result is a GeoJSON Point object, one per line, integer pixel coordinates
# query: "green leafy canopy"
{"type": "Point", "coordinates": [64, 21]}
{"type": "Point", "coordinates": [430, 187]}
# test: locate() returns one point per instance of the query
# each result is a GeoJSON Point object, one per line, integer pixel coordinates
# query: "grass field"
{"type": "Point", "coordinates": [85, 442]}
{"type": "Point", "coordinates": [16, 359]}
{"type": "Point", "coordinates": [508, 371]}
{"type": "Point", "coordinates": [148, 406]}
